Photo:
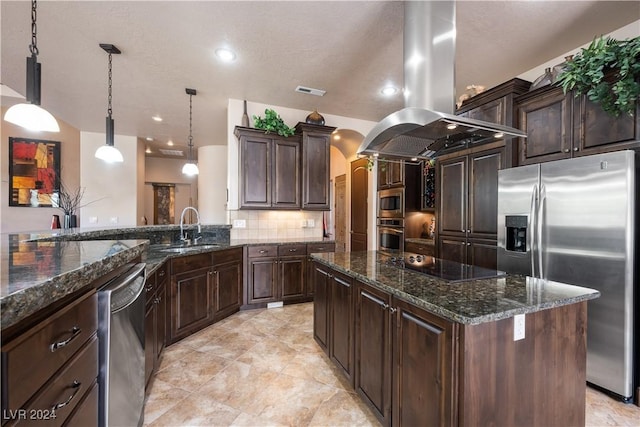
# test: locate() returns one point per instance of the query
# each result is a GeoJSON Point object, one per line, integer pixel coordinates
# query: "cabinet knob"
{"type": "Point", "coordinates": [161, 273]}
{"type": "Point", "coordinates": [469, 231]}
{"type": "Point", "coordinates": [262, 251]}
{"type": "Point", "coordinates": [468, 244]}
{"type": "Point", "coordinates": [566, 150]}
{"type": "Point", "coordinates": [575, 148]}
{"type": "Point", "coordinates": [392, 310]}
{"type": "Point", "coordinates": [292, 250]}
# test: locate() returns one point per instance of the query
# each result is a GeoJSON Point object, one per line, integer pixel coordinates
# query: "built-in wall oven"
{"type": "Point", "coordinates": [391, 203]}
{"type": "Point", "coordinates": [390, 234]}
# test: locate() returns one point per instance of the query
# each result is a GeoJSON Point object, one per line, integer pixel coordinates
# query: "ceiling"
{"type": "Point", "coordinates": [350, 49]}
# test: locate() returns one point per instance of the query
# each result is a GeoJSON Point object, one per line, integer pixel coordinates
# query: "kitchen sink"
{"type": "Point", "coordinates": [186, 249]}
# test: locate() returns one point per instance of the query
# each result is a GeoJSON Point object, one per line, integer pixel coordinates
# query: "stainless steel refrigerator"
{"type": "Point", "coordinates": [575, 221]}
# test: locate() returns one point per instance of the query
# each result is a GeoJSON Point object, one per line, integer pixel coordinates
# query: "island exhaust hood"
{"type": "Point", "coordinates": [420, 131]}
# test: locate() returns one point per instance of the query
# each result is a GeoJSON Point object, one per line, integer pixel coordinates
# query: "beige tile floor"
{"type": "Point", "coordinates": [263, 368]}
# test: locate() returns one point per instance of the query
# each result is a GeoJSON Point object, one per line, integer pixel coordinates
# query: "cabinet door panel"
{"type": "Point", "coordinates": [452, 249]}
{"type": "Point", "coordinates": [453, 196]}
{"type": "Point", "coordinates": [262, 280]}
{"type": "Point", "coordinates": [321, 306]}
{"type": "Point", "coordinates": [228, 287]}
{"type": "Point", "coordinates": [373, 350]}
{"type": "Point", "coordinates": [493, 112]}
{"type": "Point", "coordinates": [483, 193]}
{"type": "Point", "coordinates": [192, 305]}
{"type": "Point", "coordinates": [483, 253]}
{"type": "Point", "coordinates": [546, 120]}
{"type": "Point", "coordinates": [286, 174]}
{"type": "Point", "coordinates": [292, 272]}
{"type": "Point", "coordinates": [256, 172]}
{"type": "Point", "coordinates": [316, 170]}
{"type": "Point", "coordinates": [596, 131]}
{"type": "Point", "coordinates": [341, 324]}
{"type": "Point", "coordinates": [423, 385]}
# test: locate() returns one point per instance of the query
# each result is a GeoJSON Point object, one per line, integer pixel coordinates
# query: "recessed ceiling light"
{"type": "Point", "coordinates": [389, 90]}
{"type": "Point", "coordinates": [376, 154]}
{"type": "Point", "coordinates": [170, 143]}
{"type": "Point", "coordinates": [148, 150]}
{"type": "Point", "coordinates": [498, 134]}
{"type": "Point", "coordinates": [336, 137]}
{"type": "Point", "coordinates": [157, 118]}
{"type": "Point", "coordinates": [452, 126]}
{"type": "Point", "coordinates": [225, 55]}
{"type": "Point", "coordinates": [149, 138]}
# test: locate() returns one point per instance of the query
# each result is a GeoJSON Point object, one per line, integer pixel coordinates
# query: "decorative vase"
{"type": "Point", "coordinates": [70, 221]}
{"type": "Point", "coordinates": [245, 117]}
{"type": "Point", "coordinates": [559, 69]}
{"type": "Point", "coordinates": [315, 118]}
{"type": "Point", "coordinates": [544, 80]}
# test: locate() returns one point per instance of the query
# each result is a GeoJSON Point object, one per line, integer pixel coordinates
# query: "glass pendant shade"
{"type": "Point", "coordinates": [109, 154]}
{"type": "Point", "coordinates": [190, 169]}
{"type": "Point", "coordinates": [31, 117]}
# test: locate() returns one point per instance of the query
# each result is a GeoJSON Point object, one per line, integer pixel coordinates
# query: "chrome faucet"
{"type": "Point", "coordinates": [183, 236]}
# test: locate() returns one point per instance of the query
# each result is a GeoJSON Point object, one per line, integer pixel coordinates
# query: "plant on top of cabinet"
{"type": "Point", "coordinates": [607, 71]}
{"type": "Point", "coordinates": [272, 122]}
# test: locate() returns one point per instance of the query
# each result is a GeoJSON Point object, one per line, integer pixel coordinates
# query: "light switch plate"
{"type": "Point", "coordinates": [113, 220]}
{"type": "Point", "coordinates": [93, 220]}
{"type": "Point", "coordinates": [303, 223]}
{"type": "Point", "coordinates": [311, 223]}
{"type": "Point", "coordinates": [518, 327]}
{"type": "Point", "coordinates": [239, 223]}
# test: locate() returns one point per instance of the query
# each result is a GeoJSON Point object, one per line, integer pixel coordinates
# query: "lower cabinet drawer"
{"type": "Point", "coordinates": [321, 247]}
{"type": "Point", "coordinates": [31, 359]}
{"type": "Point", "coordinates": [86, 414]}
{"type": "Point", "coordinates": [58, 398]}
{"type": "Point", "coordinates": [420, 248]}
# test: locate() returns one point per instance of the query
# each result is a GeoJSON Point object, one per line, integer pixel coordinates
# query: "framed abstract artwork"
{"type": "Point", "coordinates": [34, 172]}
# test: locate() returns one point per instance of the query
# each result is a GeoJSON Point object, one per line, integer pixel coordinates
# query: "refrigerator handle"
{"type": "Point", "coordinates": [539, 225]}
{"type": "Point", "coordinates": [531, 226]}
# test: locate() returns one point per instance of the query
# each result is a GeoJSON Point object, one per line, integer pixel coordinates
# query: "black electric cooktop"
{"type": "Point", "coordinates": [450, 271]}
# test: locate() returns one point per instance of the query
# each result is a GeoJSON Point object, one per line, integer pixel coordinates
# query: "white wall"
{"type": "Point", "coordinates": [212, 184]}
{"type": "Point", "coordinates": [113, 188]}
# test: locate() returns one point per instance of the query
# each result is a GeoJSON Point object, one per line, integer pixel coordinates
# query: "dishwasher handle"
{"type": "Point", "coordinates": [127, 288]}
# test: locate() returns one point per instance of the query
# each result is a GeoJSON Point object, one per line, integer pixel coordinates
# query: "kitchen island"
{"type": "Point", "coordinates": [420, 350]}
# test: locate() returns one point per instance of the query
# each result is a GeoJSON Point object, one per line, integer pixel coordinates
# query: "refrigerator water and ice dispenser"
{"type": "Point", "coordinates": [516, 233]}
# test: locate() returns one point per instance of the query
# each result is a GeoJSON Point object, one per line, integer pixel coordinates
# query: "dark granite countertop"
{"type": "Point", "coordinates": [38, 268]}
{"type": "Point", "coordinates": [37, 273]}
{"type": "Point", "coordinates": [285, 241]}
{"type": "Point", "coordinates": [471, 302]}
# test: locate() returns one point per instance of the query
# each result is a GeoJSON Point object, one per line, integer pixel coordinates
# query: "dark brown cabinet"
{"type": "Point", "coordinates": [562, 126]}
{"type": "Point", "coordinates": [269, 170]}
{"type": "Point", "coordinates": [426, 248]}
{"type": "Point", "coordinates": [276, 273]}
{"type": "Point", "coordinates": [315, 248]}
{"type": "Point", "coordinates": [52, 363]}
{"type": "Point", "coordinates": [390, 173]}
{"type": "Point", "coordinates": [204, 288]}
{"type": "Point", "coordinates": [373, 350]}
{"type": "Point", "coordinates": [316, 165]}
{"type": "Point", "coordinates": [155, 319]}
{"type": "Point", "coordinates": [468, 206]}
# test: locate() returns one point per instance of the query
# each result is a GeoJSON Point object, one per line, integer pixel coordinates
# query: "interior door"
{"type": "Point", "coordinates": [359, 187]}
{"type": "Point", "coordinates": [340, 213]}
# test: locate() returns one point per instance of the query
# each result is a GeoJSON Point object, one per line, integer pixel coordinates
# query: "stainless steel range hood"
{"type": "Point", "coordinates": [420, 131]}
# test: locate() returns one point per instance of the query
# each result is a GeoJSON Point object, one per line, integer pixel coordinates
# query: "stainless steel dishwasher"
{"type": "Point", "coordinates": [121, 304]}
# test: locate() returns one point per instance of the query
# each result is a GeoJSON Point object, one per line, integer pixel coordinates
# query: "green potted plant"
{"type": "Point", "coordinates": [607, 72]}
{"type": "Point", "coordinates": [272, 122]}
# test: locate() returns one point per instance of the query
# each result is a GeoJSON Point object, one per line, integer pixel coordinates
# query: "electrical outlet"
{"type": "Point", "coordinates": [303, 223]}
{"type": "Point", "coordinates": [239, 223]}
{"type": "Point", "coordinates": [518, 327]}
{"type": "Point", "coordinates": [93, 220]}
{"type": "Point", "coordinates": [311, 223]}
{"type": "Point", "coordinates": [113, 220]}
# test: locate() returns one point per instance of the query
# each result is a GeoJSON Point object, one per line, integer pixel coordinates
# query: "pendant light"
{"type": "Point", "coordinates": [108, 152]}
{"type": "Point", "coordinates": [190, 168]}
{"type": "Point", "coordinates": [30, 115]}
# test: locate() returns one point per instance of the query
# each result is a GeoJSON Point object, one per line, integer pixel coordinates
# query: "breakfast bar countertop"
{"type": "Point", "coordinates": [469, 302]}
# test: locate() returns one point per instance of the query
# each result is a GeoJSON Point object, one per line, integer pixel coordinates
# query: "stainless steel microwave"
{"type": "Point", "coordinates": [391, 203]}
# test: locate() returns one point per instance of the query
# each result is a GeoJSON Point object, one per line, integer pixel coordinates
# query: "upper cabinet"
{"type": "Point", "coordinates": [284, 172]}
{"type": "Point", "coordinates": [316, 165]}
{"type": "Point", "coordinates": [497, 105]}
{"type": "Point", "coordinates": [390, 173]}
{"type": "Point", "coordinates": [562, 126]}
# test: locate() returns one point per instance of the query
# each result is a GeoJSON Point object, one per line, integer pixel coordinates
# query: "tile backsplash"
{"type": "Point", "coordinates": [275, 224]}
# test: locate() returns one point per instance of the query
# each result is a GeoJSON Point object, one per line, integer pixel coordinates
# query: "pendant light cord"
{"type": "Point", "coordinates": [109, 111]}
{"type": "Point", "coordinates": [190, 136]}
{"type": "Point", "coordinates": [33, 48]}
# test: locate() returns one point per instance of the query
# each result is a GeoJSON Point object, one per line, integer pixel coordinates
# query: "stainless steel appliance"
{"type": "Point", "coordinates": [450, 271]}
{"type": "Point", "coordinates": [391, 203]}
{"type": "Point", "coordinates": [416, 131]}
{"type": "Point", "coordinates": [575, 221]}
{"type": "Point", "coordinates": [390, 234]}
{"type": "Point", "coordinates": [121, 306]}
